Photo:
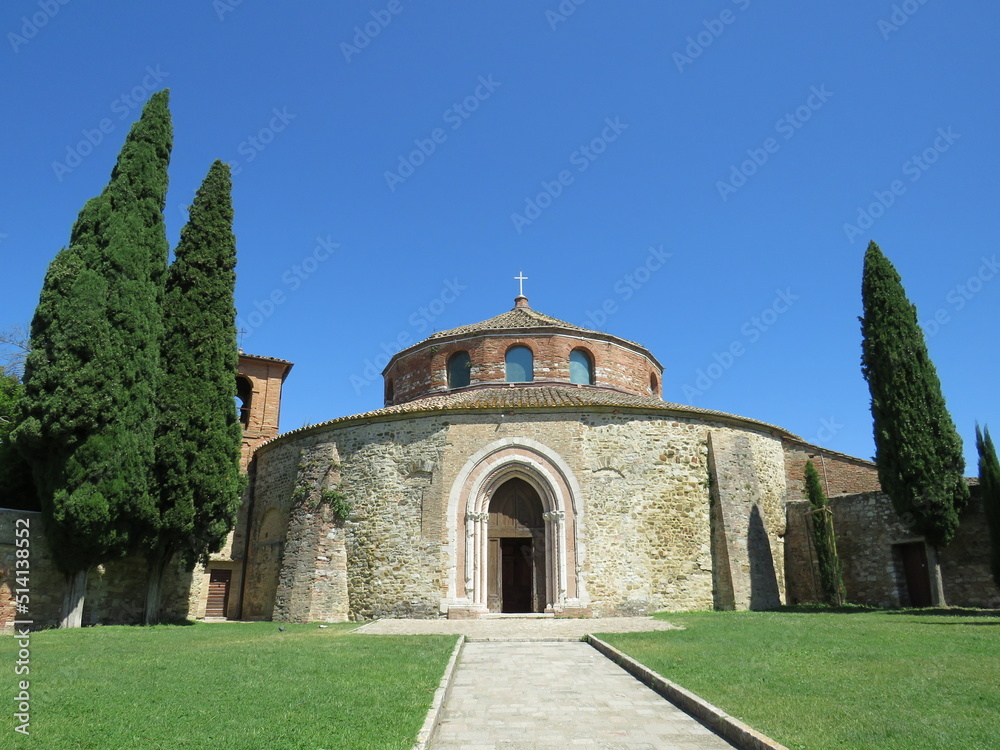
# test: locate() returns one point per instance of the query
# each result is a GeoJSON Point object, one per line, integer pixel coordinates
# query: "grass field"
{"type": "Point", "coordinates": [860, 679]}
{"type": "Point", "coordinates": [220, 686]}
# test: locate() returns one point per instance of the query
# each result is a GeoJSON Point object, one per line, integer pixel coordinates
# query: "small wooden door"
{"type": "Point", "coordinates": [218, 592]}
{"type": "Point", "coordinates": [918, 579]}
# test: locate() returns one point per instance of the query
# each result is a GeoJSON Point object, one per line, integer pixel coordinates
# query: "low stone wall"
{"type": "Point", "coordinates": [115, 592]}
{"type": "Point", "coordinates": [867, 528]}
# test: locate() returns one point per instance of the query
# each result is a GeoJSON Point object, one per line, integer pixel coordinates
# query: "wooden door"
{"type": "Point", "coordinates": [515, 561]}
{"type": "Point", "coordinates": [517, 572]}
{"type": "Point", "coordinates": [918, 579]}
{"type": "Point", "coordinates": [218, 592]}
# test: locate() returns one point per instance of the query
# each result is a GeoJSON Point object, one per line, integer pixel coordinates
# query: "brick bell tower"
{"type": "Point", "coordinates": [218, 588]}
{"type": "Point", "coordinates": [258, 388]}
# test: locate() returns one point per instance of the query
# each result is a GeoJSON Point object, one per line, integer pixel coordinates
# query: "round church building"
{"type": "Point", "coordinates": [521, 464]}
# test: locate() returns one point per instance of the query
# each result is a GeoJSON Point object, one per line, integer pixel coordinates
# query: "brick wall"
{"type": "Point", "coordinates": [841, 474]}
{"type": "Point", "coordinates": [266, 377]}
{"type": "Point", "coordinates": [424, 370]}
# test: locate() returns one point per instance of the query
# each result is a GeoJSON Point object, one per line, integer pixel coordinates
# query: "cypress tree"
{"type": "Point", "coordinates": [989, 487]}
{"type": "Point", "coordinates": [824, 541]}
{"type": "Point", "coordinates": [917, 450]}
{"type": "Point", "coordinates": [16, 488]}
{"type": "Point", "coordinates": [198, 434]}
{"type": "Point", "coordinates": [87, 417]}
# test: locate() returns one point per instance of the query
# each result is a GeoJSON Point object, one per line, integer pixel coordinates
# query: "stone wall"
{"type": "Point", "coordinates": [424, 370]}
{"type": "Point", "coordinates": [115, 591]}
{"type": "Point", "coordinates": [312, 583]}
{"type": "Point", "coordinates": [644, 540]}
{"type": "Point", "coordinates": [646, 525]}
{"type": "Point", "coordinates": [867, 528]}
{"type": "Point", "coordinates": [748, 519]}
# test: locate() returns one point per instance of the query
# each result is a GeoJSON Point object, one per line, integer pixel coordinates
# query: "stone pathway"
{"type": "Point", "coordinates": [537, 696]}
{"type": "Point", "coordinates": [515, 628]}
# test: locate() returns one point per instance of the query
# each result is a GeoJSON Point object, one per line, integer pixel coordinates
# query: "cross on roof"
{"type": "Point", "coordinates": [521, 278]}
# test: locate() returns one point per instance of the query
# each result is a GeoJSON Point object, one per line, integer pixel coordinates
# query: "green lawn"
{"type": "Point", "coordinates": [859, 679]}
{"type": "Point", "coordinates": [225, 685]}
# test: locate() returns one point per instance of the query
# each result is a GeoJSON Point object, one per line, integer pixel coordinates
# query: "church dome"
{"type": "Point", "coordinates": [521, 348]}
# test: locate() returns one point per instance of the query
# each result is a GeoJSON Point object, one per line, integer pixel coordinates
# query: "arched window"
{"type": "Point", "coordinates": [520, 365]}
{"type": "Point", "coordinates": [244, 394]}
{"type": "Point", "coordinates": [389, 392]}
{"type": "Point", "coordinates": [581, 367]}
{"type": "Point", "coordinates": [459, 370]}
{"type": "Point", "coordinates": [653, 384]}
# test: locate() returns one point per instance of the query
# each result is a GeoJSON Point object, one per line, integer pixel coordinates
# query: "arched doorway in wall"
{"type": "Point", "coordinates": [516, 561]}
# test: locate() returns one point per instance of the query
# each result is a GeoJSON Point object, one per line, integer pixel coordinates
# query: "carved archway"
{"type": "Point", "coordinates": [550, 479]}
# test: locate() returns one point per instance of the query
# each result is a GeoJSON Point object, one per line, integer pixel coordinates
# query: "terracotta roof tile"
{"type": "Point", "coordinates": [534, 396]}
{"type": "Point", "coordinates": [519, 317]}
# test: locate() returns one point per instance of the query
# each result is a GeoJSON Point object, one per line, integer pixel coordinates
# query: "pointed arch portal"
{"type": "Point", "coordinates": [514, 517]}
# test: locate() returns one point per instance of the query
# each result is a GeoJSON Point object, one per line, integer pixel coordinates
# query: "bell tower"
{"type": "Point", "coordinates": [258, 389]}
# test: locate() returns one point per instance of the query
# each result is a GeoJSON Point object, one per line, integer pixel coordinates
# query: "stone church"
{"type": "Point", "coordinates": [519, 464]}
{"type": "Point", "coordinates": [523, 465]}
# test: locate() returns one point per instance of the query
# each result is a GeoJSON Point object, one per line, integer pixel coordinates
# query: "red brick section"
{"type": "Point", "coordinates": [423, 370]}
{"type": "Point", "coordinates": [266, 376]}
{"type": "Point", "coordinates": [841, 474]}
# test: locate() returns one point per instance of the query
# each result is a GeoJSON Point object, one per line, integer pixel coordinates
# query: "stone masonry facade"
{"type": "Point", "coordinates": [868, 533]}
{"type": "Point", "coordinates": [644, 535]}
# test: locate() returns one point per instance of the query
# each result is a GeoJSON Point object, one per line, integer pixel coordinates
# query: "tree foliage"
{"type": "Point", "coordinates": [917, 450]}
{"type": "Point", "coordinates": [87, 417]}
{"type": "Point", "coordinates": [16, 488]}
{"type": "Point", "coordinates": [824, 540]}
{"type": "Point", "coordinates": [989, 487]}
{"type": "Point", "coordinates": [198, 434]}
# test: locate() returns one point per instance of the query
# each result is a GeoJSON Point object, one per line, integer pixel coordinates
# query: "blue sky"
{"type": "Point", "coordinates": [700, 177]}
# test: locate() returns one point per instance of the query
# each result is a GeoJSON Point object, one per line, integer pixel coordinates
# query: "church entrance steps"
{"type": "Point", "coordinates": [536, 696]}
{"type": "Point", "coordinates": [517, 616]}
{"type": "Point", "coordinates": [516, 628]}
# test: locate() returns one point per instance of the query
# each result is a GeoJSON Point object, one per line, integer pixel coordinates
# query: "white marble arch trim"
{"type": "Point", "coordinates": [482, 473]}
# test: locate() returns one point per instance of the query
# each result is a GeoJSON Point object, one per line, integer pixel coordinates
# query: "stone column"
{"type": "Point", "coordinates": [475, 559]}
{"type": "Point", "coordinates": [557, 529]}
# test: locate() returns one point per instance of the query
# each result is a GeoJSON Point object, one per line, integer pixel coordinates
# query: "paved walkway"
{"type": "Point", "coordinates": [516, 628]}
{"type": "Point", "coordinates": [537, 696]}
